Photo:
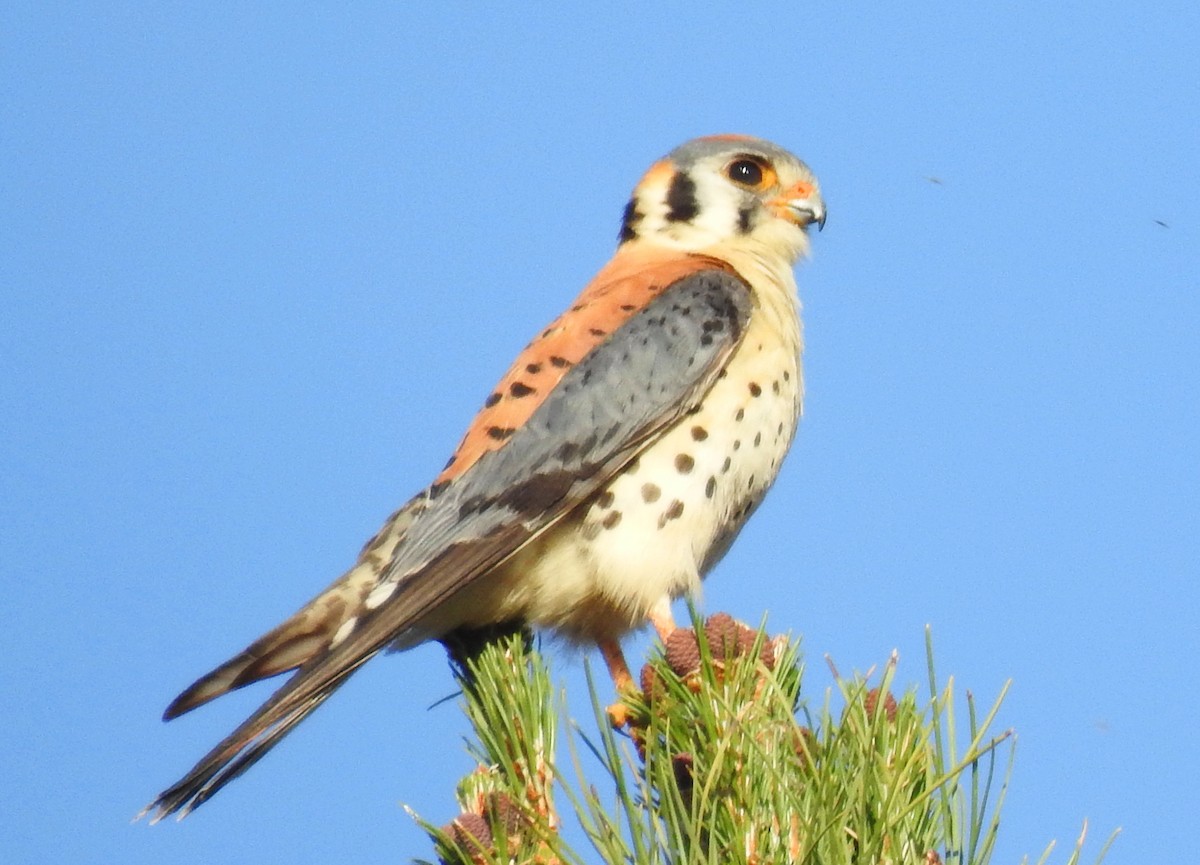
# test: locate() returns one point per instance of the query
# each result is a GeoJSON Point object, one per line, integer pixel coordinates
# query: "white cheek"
{"type": "Point", "coordinates": [720, 204]}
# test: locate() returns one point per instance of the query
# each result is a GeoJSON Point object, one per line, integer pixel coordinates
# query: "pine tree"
{"type": "Point", "coordinates": [719, 758]}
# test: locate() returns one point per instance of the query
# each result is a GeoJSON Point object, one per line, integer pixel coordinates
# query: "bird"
{"type": "Point", "coordinates": [607, 472]}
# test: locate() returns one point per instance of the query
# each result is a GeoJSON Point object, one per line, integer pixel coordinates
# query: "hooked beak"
{"type": "Point", "coordinates": [800, 204]}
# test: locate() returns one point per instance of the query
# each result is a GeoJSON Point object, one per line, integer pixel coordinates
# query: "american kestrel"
{"type": "Point", "coordinates": [608, 471]}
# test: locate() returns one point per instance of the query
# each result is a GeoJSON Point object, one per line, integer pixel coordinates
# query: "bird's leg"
{"type": "Point", "coordinates": [662, 619]}
{"type": "Point", "coordinates": [614, 659]}
{"type": "Point", "coordinates": [664, 624]}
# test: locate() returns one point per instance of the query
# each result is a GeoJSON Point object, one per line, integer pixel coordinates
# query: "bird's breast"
{"type": "Point", "coordinates": [671, 513]}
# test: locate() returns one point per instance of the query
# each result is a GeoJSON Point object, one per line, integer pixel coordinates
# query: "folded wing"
{"type": "Point", "coordinates": [635, 382]}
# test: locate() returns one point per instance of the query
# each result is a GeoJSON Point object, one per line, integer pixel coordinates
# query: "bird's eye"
{"type": "Point", "coordinates": [746, 172]}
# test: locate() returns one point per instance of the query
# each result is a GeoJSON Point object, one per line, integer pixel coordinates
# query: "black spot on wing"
{"type": "Point", "coordinates": [539, 491]}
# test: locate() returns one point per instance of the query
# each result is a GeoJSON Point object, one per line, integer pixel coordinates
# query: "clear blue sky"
{"type": "Point", "coordinates": [258, 269]}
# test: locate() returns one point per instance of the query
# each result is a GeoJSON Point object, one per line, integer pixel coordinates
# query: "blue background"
{"type": "Point", "coordinates": [259, 265]}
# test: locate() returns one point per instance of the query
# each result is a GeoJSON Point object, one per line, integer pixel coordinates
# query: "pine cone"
{"type": "Point", "coordinates": [683, 652]}
{"type": "Point", "coordinates": [471, 833]}
{"type": "Point", "coordinates": [723, 633]}
{"type": "Point", "coordinates": [872, 699]}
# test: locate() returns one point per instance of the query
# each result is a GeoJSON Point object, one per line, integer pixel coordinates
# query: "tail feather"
{"type": "Point", "coordinates": [228, 760]}
{"type": "Point", "coordinates": [246, 745]}
{"type": "Point", "coordinates": [303, 643]}
{"type": "Point", "coordinates": [251, 665]}
{"type": "Point", "coordinates": [310, 631]}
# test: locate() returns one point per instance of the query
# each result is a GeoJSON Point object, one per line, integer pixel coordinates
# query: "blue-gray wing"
{"type": "Point", "coordinates": [641, 380]}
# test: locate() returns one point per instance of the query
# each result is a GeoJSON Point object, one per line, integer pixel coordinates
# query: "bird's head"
{"type": "Point", "coordinates": [726, 189]}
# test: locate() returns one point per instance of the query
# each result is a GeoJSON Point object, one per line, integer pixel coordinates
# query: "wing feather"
{"type": "Point", "coordinates": [638, 381]}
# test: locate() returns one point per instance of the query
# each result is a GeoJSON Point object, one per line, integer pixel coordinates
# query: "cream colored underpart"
{"type": "Point", "coordinates": [597, 576]}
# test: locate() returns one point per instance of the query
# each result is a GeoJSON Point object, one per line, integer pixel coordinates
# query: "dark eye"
{"type": "Point", "coordinates": [746, 172]}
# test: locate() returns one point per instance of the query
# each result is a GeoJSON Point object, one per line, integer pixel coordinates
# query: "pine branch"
{"type": "Point", "coordinates": [719, 759]}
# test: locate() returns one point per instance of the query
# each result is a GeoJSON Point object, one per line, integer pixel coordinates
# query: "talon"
{"type": "Point", "coordinates": [618, 715]}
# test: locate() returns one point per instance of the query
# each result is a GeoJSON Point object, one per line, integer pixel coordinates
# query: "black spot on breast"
{"type": "Point", "coordinates": [725, 466]}
{"type": "Point", "coordinates": [650, 493]}
{"type": "Point", "coordinates": [520, 389]}
{"type": "Point", "coordinates": [533, 368]}
{"type": "Point", "coordinates": [611, 520]}
{"type": "Point", "coordinates": [710, 488]}
{"type": "Point", "coordinates": [500, 433]}
{"type": "Point", "coordinates": [787, 376]}
{"type": "Point", "coordinates": [684, 463]}
{"type": "Point", "coordinates": [699, 433]}
{"type": "Point", "coordinates": [595, 331]}
{"type": "Point", "coordinates": [682, 205]}
{"type": "Point", "coordinates": [673, 512]}
{"type": "Point", "coordinates": [492, 400]}
{"type": "Point", "coordinates": [755, 390]}
{"type": "Point", "coordinates": [559, 362]}
{"type": "Point", "coordinates": [757, 439]}
{"type": "Point", "coordinates": [628, 307]}
{"type": "Point", "coordinates": [741, 413]}
{"type": "Point", "coordinates": [775, 387]}
{"type": "Point", "coordinates": [606, 499]}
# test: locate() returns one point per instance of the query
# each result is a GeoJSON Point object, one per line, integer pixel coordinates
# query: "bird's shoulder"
{"type": "Point", "coordinates": [631, 280]}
